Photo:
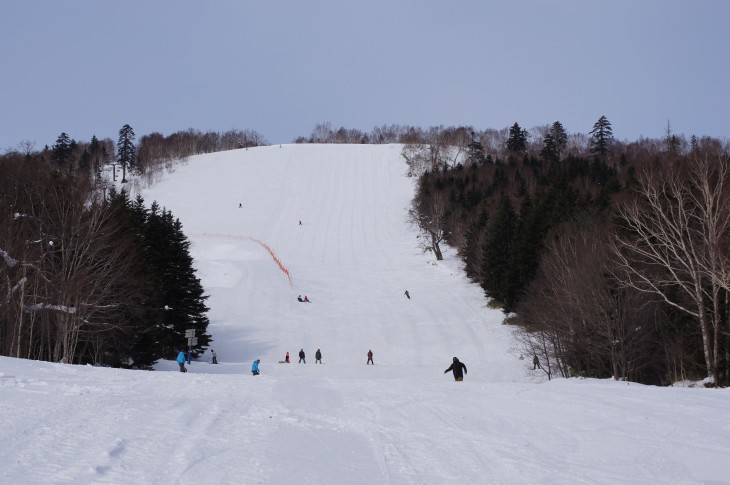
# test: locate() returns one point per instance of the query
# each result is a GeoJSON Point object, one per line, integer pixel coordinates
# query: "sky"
{"type": "Point", "coordinates": [280, 67]}
{"type": "Point", "coordinates": [400, 421]}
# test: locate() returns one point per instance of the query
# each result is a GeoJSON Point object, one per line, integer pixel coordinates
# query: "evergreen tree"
{"type": "Point", "coordinates": [126, 151]}
{"type": "Point", "coordinates": [171, 298]}
{"type": "Point", "coordinates": [188, 291]}
{"type": "Point", "coordinates": [138, 345]}
{"type": "Point", "coordinates": [498, 256]}
{"type": "Point", "coordinates": [555, 142]}
{"type": "Point", "coordinates": [517, 141]}
{"type": "Point", "coordinates": [85, 161]}
{"type": "Point", "coordinates": [526, 257]}
{"type": "Point", "coordinates": [601, 137]}
{"type": "Point", "coordinates": [475, 152]}
{"type": "Point", "coordinates": [97, 153]}
{"type": "Point", "coordinates": [148, 345]}
{"type": "Point", "coordinates": [549, 148]}
{"type": "Point", "coordinates": [560, 137]}
{"type": "Point", "coordinates": [178, 299]}
{"type": "Point", "coordinates": [61, 150]}
{"type": "Point", "coordinates": [473, 247]}
{"type": "Point", "coordinates": [694, 143]}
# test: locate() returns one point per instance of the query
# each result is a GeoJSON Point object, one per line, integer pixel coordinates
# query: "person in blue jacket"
{"type": "Point", "coordinates": [181, 358]}
{"type": "Point", "coordinates": [255, 367]}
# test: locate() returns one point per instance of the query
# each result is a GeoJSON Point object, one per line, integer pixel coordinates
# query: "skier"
{"type": "Point", "coordinates": [286, 359]}
{"type": "Point", "coordinates": [255, 367]}
{"type": "Point", "coordinates": [301, 356]}
{"type": "Point", "coordinates": [458, 368]}
{"type": "Point", "coordinates": [318, 357]}
{"type": "Point", "coordinates": [299, 299]}
{"type": "Point", "coordinates": [407, 295]}
{"type": "Point", "coordinates": [536, 363]}
{"type": "Point", "coordinates": [370, 357]}
{"type": "Point", "coordinates": [181, 358]}
{"type": "Point", "coordinates": [214, 359]}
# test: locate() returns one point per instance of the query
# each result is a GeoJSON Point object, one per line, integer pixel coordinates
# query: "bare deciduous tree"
{"type": "Point", "coordinates": [674, 243]}
{"type": "Point", "coordinates": [430, 214]}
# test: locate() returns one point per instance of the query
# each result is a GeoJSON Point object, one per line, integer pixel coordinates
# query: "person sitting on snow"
{"type": "Point", "coordinates": [299, 299]}
{"type": "Point", "coordinates": [306, 300]}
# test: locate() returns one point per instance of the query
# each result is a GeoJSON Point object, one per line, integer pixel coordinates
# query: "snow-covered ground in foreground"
{"type": "Point", "coordinates": [401, 421]}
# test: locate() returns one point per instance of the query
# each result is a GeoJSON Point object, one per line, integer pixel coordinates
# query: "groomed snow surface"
{"type": "Point", "coordinates": [401, 421]}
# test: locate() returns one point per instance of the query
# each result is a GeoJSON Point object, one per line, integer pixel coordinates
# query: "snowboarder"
{"type": "Point", "coordinates": [407, 295]}
{"type": "Point", "coordinates": [458, 368]}
{"type": "Point", "coordinates": [299, 299]}
{"type": "Point", "coordinates": [318, 357]}
{"type": "Point", "coordinates": [300, 222]}
{"type": "Point", "coordinates": [286, 359]}
{"type": "Point", "coordinates": [240, 205]}
{"type": "Point", "coordinates": [536, 363]}
{"type": "Point", "coordinates": [301, 356]}
{"type": "Point", "coordinates": [181, 358]}
{"type": "Point", "coordinates": [255, 367]}
{"type": "Point", "coordinates": [306, 299]}
{"type": "Point", "coordinates": [214, 358]}
{"type": "Point", "coordinates": [370, 357]}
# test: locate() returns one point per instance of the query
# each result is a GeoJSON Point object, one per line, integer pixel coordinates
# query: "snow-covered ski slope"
{"type": "Point", "coordinates": [401, 421]}
{"type": "Point", "coordinates": [353, 256]}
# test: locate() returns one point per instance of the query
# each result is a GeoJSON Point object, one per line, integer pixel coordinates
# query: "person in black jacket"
{"type": "Point", "coordinates": [318, 357]}
{"type": "Point", "coordinates": [301, 356]}
{"type": "Point", "coordinates": [458, 368]}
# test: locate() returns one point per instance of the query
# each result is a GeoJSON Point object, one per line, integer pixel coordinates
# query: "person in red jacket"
{"type": "Point", "coordinates": [370, 357]}
{"type": "Point", "coordinates": [458, 368]}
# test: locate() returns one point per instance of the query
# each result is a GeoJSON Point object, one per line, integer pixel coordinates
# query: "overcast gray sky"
{"type": "Point", "coordinates": [87, 67]}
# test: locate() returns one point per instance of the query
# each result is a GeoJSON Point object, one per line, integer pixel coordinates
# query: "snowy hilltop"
{"type": "Point", "coordinates": [329, 222]}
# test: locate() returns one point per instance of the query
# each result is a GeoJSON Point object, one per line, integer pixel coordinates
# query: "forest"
{"type": "Point", "coordinates": [88, 275]}
{"type": "Point", "coordinates": [609, 258]}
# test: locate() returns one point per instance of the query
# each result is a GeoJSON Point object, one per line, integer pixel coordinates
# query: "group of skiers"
{"type": "Point", "coordinates": [457, 367]}
{"type": "Point", "coordinates": [303, 357]}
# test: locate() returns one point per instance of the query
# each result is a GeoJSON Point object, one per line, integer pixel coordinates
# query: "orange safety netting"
{"type": "Point", "coordinates": [276, 259]}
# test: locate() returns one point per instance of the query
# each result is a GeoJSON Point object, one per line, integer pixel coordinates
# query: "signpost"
{"type": "Point", "coordinates": [192, 340]}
